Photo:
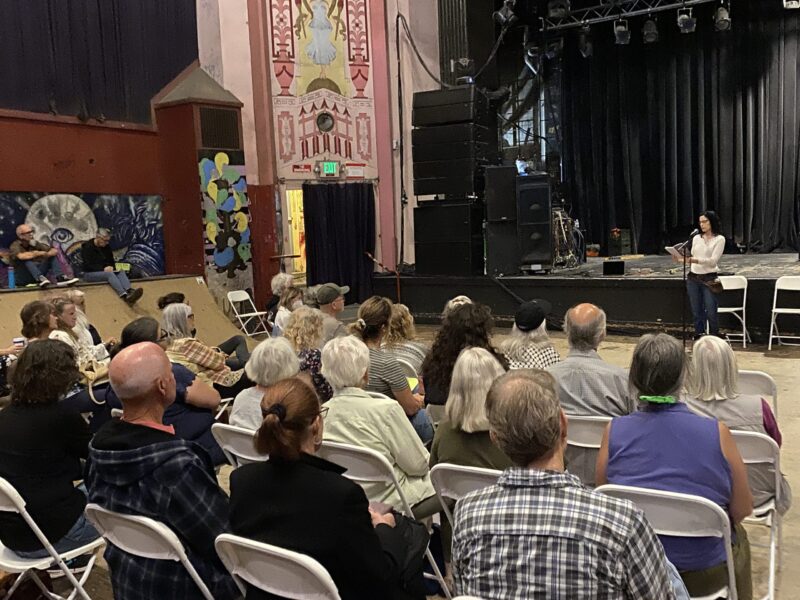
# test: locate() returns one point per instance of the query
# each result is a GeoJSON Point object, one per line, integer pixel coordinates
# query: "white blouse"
{"type": "Point", "coordinates": [707, 253]}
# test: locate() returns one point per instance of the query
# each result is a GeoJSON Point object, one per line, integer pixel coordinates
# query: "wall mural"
{"type": "Point", "coordinates": [65, 221]}
{"type": "Point", "coordinates": [320, 54]}
{"type": "Point", "coordinates": [226, 218]}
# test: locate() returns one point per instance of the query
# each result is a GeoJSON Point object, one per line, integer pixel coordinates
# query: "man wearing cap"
{"type": "Point", "coordinates": [32, 260]}
{"type": "Point", "coordinates": [529, 346]}
{"type": "Point", "coordinates": [331, 302]}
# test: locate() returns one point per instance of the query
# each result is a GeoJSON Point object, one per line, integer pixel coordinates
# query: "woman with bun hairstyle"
{"type": "Point", "coordinates": [298, 501]}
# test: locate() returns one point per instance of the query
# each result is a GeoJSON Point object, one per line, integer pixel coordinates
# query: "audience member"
{"type": "Point", "coordinates": [291, 299]}
{"type": "Point", "coordinates": [713, 390]}
{"type": "Point", "coordinates": [79, 300]}
{"type": "Point", "coordinates": [137, 466]}
{"type": "Point", "coordinates": [304, 332]}
{"type": "Point", "coordinates": [529, 346]}
{"type": "Point", "coordinates": [465, 326]}
{"type": "Point", "coordinates": [454, 303]}
{"type": "Point", "coordinates": [271, 361]}
{"type": "Point", "coordinates": [79, 338]}
{"type": "Point", "coordinates": [400, 340]}
{"type": "Point", "coordinates": [278, 284]}
{"type": "Point", "coordinates": [41, 447]}
{"type": "Point", "coordinates": [380, 424]}
{"type": "Point", "coordinates": [385, 374]}
{"type": "Point", "coordinates": [171, 298]}
{"type": "Point", "coordinates": [667, 447]}
{"type": "Point", "coordinates": [538, 532]}
{"type": "Point", "coordinates": [192, 413]}
{"type": "Point", "coordinates": [210, 364]}
{"type": "Point", "coordinates": [33, 260]}
{"type": "Point", "coordinates": [330, 298]}
{"type": "Point", "coordinates": [38, 320]}
{"type": "Point", "coordinates": [99, 265]}
{"type": "Point", "coordinates": [298, 501]}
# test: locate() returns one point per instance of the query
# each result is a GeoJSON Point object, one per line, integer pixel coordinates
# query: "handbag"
{"type": "Point", "coordinates": [93, 372]}
{"type": "Point", "coordinates": [416, 538]}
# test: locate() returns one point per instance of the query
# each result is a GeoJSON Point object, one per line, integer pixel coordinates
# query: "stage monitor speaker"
{"type": "Point", "coordinates": [501, 193]}
{"type": "Point", "coordinates": [448, 238]}
{"type": "Point", "coordinates": [533, 200]}
{"type": "Point", "coordinates": [502, 248]}
{"type": "Point", "coordinates": [614, 267]}
{"type": "Point", "coordinates": [535, 222]}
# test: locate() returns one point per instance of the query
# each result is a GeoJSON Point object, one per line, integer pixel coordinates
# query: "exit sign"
{"type": "Point", "coordinates": [329, 168]}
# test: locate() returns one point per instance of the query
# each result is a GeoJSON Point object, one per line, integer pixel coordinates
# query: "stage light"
{"type": "Point", "coordinates": [791, 3]}
{"type": "Point", "coordinates": [585, 46]}
{"type": "Point", "coordinates": [505, 16]}
{"type": "Point", "coordinates": [686, 22]}
{"type": "Point", "coordinates": [722, 18]}
{"type": "Point", "coordinates": [650, 31]}
{"type": "Point", "coordinates": [622, 32]}
{"type": "Point", "coordinates": [558, 9]}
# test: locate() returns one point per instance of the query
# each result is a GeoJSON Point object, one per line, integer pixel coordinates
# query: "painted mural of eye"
{"type": "Point", "coordinates": [62, 218]}
{"type": "Point", "coordinates": [61, 235]}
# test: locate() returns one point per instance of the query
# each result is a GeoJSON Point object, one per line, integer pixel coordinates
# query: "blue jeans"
{"type": "Point", "coordinates": [116, 279]}
{"type": "Point", "coordinates": [38, 268]}
{"type": "Point", "coordinates": [704, 306]}
{"type": "Point", "coordinates": [422, 425]}
{"type": "Point", "coordinates": [81, 533]}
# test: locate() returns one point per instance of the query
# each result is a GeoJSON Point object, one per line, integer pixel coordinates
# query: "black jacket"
{"type": "Point", "coordinates": [308, 507]}
{"type": "Point", "coordinates": [94, 258]}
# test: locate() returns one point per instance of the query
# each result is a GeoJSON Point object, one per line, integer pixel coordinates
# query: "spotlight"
{"type": "Point", "coordinates": [505, 16]}
{"type": "Point", "coordinates": [686, 22]}
{"type": "Point", "coordinates": [650, 31]}
{"type": "Point", "coordinates": [558, 9]}
{"type": "Point", "coordinates": [621, 32]}
{"type": "Point", "coordinates": [553, 49]}
{"type": "Point", "coordinates": [585, 46]}
{"type": "Point", "coordinates": [791, 3]}
{"type": "Point", "coordinates": [722, 19]}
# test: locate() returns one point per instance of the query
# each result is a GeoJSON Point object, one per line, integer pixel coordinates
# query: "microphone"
{"type": "Point", "coordinates": [694, 233]}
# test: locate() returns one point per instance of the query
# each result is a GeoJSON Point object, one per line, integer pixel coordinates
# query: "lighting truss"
{"type": "Point", "coordinates": [623, 9]}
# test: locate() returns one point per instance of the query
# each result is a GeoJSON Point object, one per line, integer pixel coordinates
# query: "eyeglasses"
{"type": "Point", "coordinates": [164, 335]}
{"type": "Point", "coordinates": [190, 316]}
{"type": "Point", "coordinates": [322, 411]}
{"type": "Point", "coordinates": [27, 232]}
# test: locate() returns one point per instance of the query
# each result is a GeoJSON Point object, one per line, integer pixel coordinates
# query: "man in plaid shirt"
{"type": "Point", "coordinates": [539, 533]}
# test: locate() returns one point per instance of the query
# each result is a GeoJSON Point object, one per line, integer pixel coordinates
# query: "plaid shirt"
{"type": "Point", "coordinates": [541, 534]}
{"type": "Point", "coordinates": [206, 362]}
{"type": "Point", "coordinates": [533, 356]}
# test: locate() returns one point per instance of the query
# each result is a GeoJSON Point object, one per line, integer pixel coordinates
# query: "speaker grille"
{"type": "Point", "coordinates": [219, 128]}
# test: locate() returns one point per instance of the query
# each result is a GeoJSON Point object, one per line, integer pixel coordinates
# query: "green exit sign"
{"type": "Point", "coordinates": [330, 168]}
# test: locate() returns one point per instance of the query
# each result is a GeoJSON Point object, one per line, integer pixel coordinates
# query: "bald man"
{"type": "Point", "coordinates": [138, 466]}
{"type": "Point", "coordinates": [588, 385]}
{"type": "Point", "coordinates": [32, 260]}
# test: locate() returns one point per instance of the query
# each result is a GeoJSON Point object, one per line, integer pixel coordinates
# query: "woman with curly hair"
{"type": "Point", "coordinates": [304, 332]}
{"type": "Point", "coordinates": [38, 320]}
{"type": "Point", "coordinates": [400, 340]}
{"type": "Point", "coordinates": [466, 326]}
{"type": "Point", "coordinates": [41, 447]}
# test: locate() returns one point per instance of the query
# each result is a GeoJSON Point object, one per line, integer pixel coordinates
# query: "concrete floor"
{"type": "Point", "coordinates": [781, 363]}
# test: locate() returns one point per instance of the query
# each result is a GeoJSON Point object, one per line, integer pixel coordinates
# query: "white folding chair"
{"type": "Point", "coordinates": [453, 482]}
{"type": "Point", "coordinates": [736, 282]}
{"type": "Point", "coordinates": [236, 444]}
{"type": "Point", "coordinates": [224, 405]}
{"type": "Point", "coordinates": [682, 515]}
{"type": "Point", "coordinates": [239, 297]}
{"type": "Point", "coordinates": [144, 537]}
{"type": "Point", "coordinates": [436, 413]}
{"type": "Point", "coordinates": [408, 368]}
{"type": "Point", "coordinates": [272, 569]}
{"type": "Point", "coordinates": [761, 384]}
{"type": "Point", "coordinates": [759, 450]}
{"type": "Point", "coordinates": [584, 436]}
{"type": "Point", "coordinates": [368, 466]}
{"type": "Point", "coordinates": [10, 562]}
{"type": "Point", "coordinates": [787, 283]}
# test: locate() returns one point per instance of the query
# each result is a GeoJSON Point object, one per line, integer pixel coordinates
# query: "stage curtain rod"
{"type": "Point", "coordinates": [611, 12]}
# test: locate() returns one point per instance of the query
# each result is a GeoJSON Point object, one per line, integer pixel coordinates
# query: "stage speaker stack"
{"type": "Point", "coordinates": [502, 242]}
{"type": "Point", "coordinates": [535, 223]}
{"type": "Point", "coordinates": [448, 238]}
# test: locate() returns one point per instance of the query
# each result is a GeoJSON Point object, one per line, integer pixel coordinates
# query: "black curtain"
{"type": "Point", "coordinates": [93, 58]}
{"type": "Point", "coordinates": [340, 228]}
{"type": "Point", "coordinates": [655, 133]}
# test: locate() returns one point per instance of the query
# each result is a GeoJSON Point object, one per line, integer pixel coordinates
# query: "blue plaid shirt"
{"type": "Point", "coordinates": [541, 534]}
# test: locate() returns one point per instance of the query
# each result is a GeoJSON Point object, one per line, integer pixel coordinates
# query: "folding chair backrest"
{"type": "Point", "coordinates": [788, 283]}
{"type": "Point", "coordinates": [455, 481]}
{"type": "Point", "coordinates": [407, 368]}
{"type": "Point", "coordinates": [759, 449]}
{"type": "Point", "coordinates": [10, 499]}
{"type": "Point", "coordinates": [586, 432]}
{"type": "Point", "coordinates": [733, 282]}
{"type": "Point", "coordinates": [680, 515]}
{"type": "Point", "coordinates": [240, 296]}
{"type": "Point", "coordinates": [761, 384]}
{"type": "Point", "coordinates": [275, 570]}
{"type": "Point", "coordinates": [237, 444]}
{"type": "Point", "coordinates": [142, 536]}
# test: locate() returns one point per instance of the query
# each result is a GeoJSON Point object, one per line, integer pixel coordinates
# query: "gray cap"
{"type": "Point", "coordinates": [328, 292]}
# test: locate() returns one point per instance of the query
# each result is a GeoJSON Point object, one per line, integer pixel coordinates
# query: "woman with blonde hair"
{"type": "Point", "coordinates": [77, 337]}
{"type": "Point", "coordinates": [712, 391]}
{"type": "Point", "coordinates": [291, 299]}
{"type": "Point", "coordinates": [400, 340]}
{"type": "Point", "coordinates": [304, 332]}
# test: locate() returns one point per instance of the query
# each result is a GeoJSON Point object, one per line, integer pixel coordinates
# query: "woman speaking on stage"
{"type": "Point", "coordinates": [707, 248]}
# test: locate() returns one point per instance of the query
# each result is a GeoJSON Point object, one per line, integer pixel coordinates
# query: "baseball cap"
{"type": "Point", "coordinates": [530, 314]}
{"type": "Point", "coordinates": [328, 292]}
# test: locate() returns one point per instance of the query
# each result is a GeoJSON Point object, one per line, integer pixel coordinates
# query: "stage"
{"type": "Point", "coordinates": [648, 297]}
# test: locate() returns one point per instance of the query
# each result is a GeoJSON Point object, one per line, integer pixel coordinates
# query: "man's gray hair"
{"type": "Point", "coordinates": [714, 374]}
{"type": "Point", "coordinates": [519, 340]}
{"type": "Point", "coordinates": [272, 360]}
{"type": "Point", "coordinates": [176, 320]}
{"type": "Point", "coordinates": [345, 360]}
{"type": "Point", "coordinates": [473, 374]}
{"type": "Point", "coordinates": [280, 282]}
{"type": "Point", "coordinates": [585, 336]}
{"type": "Point", "coordinates": [525, 415]}
{"type": "Point", "coordinates": [103, 232]}
{"type": "Point", "coordinates": [657, 366]}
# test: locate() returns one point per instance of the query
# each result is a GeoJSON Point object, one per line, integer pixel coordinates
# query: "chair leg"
{"type": "Point", "coordinates": [438, 574]}
{"type": "Point", "coordinates": [772, 557]}
{"type": "Point", "coordinates": [771, 330]}
{"type": "Point", "coordinates": [20, 578]}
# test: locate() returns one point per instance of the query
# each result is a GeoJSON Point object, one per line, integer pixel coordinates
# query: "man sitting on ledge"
{"type": "Point", "coordinates": [99, 265]}
{"type": "Point", "coordinates": [32, 260]}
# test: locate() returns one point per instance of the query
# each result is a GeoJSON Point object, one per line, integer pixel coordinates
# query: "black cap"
{"type": "Point", "coordinates": [530, 314]}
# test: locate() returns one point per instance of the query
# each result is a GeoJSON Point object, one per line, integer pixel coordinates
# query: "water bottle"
{"type": "Point", "coordinates": [12, 282]}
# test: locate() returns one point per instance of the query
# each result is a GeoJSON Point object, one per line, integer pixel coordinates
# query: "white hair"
{"type": "Point", "coordinates": [519, 339]}
{"type": "Point", "coordinates": [455, 303]}
{"type": "Point", "coordinates": [585, 336]}
{"type": "Point", "coordinates": [272, 360]}
{"type": "Point", "coordinates": [713, 374]}
{"type": "Point", "coordinates": [280, 282]}
{"type": "Point", "coordinates": [176, 320]}
{"type": "Point", "coordinates": [473, 374]}
{"type": "Point", "coordinates": [345, 361]}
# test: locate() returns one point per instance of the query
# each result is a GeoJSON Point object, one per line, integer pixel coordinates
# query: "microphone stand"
{"type": "Point", "coordinates": [682, 248]}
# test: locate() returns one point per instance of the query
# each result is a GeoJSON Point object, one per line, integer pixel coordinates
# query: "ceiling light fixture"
{"type": "Point", "coordinates": [622, 32]}
{"type": "Point", "coordinates": [585, 46]}
{"type": "Point", "coordinates": [686, 22]}
{"type": "Point", "coordinates": [722, 18]}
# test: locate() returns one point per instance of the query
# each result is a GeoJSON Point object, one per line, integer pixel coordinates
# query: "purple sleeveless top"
{"type": "Point", "coordinates": [669, 448]}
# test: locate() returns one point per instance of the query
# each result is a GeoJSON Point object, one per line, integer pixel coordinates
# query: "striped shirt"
{"type": "Point", "coordinates": [385, 374]}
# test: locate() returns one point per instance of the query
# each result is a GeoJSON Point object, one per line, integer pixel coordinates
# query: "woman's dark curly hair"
{"type": "Point", "coordinates": [171, 298]}
{"type": "Point", "coordinates": [466, 326]}
{"type": "Point", "coordinates": [35, 317]}
{"type": "Point", "coordinates": [45, 371]}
